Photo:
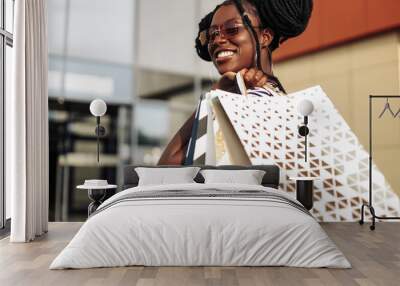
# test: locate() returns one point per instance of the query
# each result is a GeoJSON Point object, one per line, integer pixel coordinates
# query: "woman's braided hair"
{"type": "Point", "coordinates": [286, 18]}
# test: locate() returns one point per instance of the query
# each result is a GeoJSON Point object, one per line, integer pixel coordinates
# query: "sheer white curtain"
{"type": "Point", "coordinates": [27, 123]}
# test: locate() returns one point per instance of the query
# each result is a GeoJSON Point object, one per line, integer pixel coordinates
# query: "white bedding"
{"type": "Point", "coordinates": [188, 230]}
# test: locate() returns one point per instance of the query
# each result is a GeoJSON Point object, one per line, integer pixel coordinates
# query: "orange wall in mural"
{"type": "Point", "coordinates": [339, 21]}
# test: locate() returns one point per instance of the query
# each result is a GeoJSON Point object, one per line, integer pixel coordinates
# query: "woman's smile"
{"type": "Point", "coordinates": [222, 55]}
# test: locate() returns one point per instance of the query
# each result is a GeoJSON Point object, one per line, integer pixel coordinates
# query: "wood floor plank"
{"type": "Point", "coordinates": [375, 257]}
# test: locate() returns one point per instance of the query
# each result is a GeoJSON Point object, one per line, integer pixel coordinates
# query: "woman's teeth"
{"type": "Point", "coordinates": [225, 54]}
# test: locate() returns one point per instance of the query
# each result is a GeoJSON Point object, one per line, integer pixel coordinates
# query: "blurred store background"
{"type": "Point", "coordinates": [139, 56]}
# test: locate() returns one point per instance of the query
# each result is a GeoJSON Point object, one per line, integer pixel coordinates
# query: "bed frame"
{"type": "Point", "coordinates": [270, 179]}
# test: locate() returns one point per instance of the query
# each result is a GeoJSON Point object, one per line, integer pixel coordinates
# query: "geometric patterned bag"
{"type": "Point", "coordinates": [266, 129]}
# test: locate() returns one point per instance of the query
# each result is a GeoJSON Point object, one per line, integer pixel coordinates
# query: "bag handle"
{"type": "Point", "coordinates": [241, 84]}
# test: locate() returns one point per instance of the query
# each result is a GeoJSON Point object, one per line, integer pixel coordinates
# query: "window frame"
{"type": "Point", "coordinates": [6, 39]}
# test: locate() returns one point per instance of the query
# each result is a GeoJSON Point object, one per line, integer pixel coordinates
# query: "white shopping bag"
{"type": "Point", "coordinates": [264, 130]}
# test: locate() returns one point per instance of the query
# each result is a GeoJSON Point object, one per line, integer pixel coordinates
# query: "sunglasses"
{"type": "Point", "coordinates": [228, 30]}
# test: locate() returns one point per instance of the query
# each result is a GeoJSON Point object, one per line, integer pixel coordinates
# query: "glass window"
{"type": "Point", "coordinates": [152, 125]}
{"type": "Point", "coordinates": [9, 67]}
{"type": "Point", "coordinates": [6, 16]}
{"type": "Point", "coordinates": [152, 122]}
{"type": "Point", "coordinates": [2, 202]}
{"type": "Point", "coordinates": [9, 15]}
{"type": "Point", "coordinates": [1, 13]}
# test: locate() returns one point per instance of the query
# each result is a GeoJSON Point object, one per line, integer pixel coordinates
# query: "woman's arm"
{"type": "Point", "coordinates": [175, 152]}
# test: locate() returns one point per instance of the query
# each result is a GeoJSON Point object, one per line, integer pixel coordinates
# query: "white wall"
{"type": "Point", "coordinates": [97, 42]}
{"type": "Point", "coordinates": [99, 30]}
{"type": "Point", "coordinates": [167, 30]}
{"type": "Point", "coordinates": [56, 20]}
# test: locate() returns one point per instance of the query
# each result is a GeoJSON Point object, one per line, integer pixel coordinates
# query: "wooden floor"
{"type": "Point", "coordinates": [375, 257]}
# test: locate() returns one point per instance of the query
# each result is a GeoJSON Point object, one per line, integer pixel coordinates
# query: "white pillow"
{"type": "Point", "coordinates": [248, 177]}
{"type": "Point", "coordinates": [166, 176]}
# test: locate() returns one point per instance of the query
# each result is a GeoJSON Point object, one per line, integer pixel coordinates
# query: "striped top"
{"type": "Point", "coordinates": [267, 90]}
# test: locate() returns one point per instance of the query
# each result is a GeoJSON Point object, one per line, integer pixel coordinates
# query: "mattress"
{"type": "Point", "coordinates": [201, 225]}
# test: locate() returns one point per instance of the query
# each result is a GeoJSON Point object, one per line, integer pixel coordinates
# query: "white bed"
{"type": "Point", "coordinates": [203, 225]}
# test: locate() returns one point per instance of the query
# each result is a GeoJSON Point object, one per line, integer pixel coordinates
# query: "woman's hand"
{"type": "Point", "coordinates": [252, 78]}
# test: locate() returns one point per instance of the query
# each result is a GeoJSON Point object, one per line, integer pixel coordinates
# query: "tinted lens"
{"type": "Point", "coordinates": [213, 32]}
{"type": "Point", "coordinates": [227, 30]}
{"type": "Point", "coordinates": [231, 29]}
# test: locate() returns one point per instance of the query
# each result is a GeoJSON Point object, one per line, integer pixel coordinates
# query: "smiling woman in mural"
{"type": "Point", "coordinates": [239, 37]}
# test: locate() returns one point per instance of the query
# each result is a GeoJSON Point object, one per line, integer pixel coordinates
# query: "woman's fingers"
{"type": "Point", "coordinates": [263, 81]}
{"type": "Point", "coordinates": [243, 71]}
{"type": "Point", "coordinates": [248, 76]}
{"type": "Point", "coordinates": [255, 78]}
